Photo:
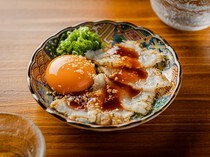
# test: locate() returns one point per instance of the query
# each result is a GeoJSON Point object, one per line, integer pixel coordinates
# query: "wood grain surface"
{"type": "Point", "coordinates": [183, 130]}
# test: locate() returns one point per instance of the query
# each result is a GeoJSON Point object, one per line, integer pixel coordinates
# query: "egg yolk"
{"type": "Point", "coordinates": [70, 73]}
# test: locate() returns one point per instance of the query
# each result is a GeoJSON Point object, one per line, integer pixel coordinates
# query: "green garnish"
{"type": "Point", "coordinates": [78, 42]}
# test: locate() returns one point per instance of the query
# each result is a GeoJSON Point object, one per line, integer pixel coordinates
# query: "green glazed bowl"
{"type": "Point", "coordinates": [110, 33]}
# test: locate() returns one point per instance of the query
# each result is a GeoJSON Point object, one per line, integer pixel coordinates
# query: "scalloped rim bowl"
{"type": "Point", "coordinates": [110, 32]}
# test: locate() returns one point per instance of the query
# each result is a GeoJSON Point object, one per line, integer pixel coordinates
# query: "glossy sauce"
{"type": "Point", "coordinates": [77, 101]}
{"type": "Point", "coordinates": [133, 73]}
{"type": "Point", "coordinates": [124, 76]}
{"type": "Point", "coordinates": [76, 105]}
{"type": "Point", "coordinates": [111, 95]}
{"type": "Point", "coordinates": [124, 51]}
{"type": "Point", "coordinates": [129, 75]}
{"type": "Point", "coordinates": [111, 100]}
{"type": "Point", "coordinates": [131, 62]}
{"type": "Point", "coordinates": [125, 90]}
{"type": "Point", "coordinates": [115, 101]}
{"type": "Point", "coordinates": [112, 105]}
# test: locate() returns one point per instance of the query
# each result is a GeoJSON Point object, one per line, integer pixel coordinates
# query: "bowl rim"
{"type": "Point", "coordinates": [95, 127]}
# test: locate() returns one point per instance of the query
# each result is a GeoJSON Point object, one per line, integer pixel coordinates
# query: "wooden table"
{"type": "Point", "coordinates": [183, 130]}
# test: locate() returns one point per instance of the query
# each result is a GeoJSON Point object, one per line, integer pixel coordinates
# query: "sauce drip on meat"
{"type": "Point", "coordinates": [131, 62]}
{"type": "Point", "coordinates": [114, 93]}
{"type": "Point", "coordinates": [132, 73]}
{"type": "Point", "coordinates": [76, 105]}
{"type": "Point", "coordinates": [127, 75]}
{"type": "Point", "coordinates": [112, 104]}
{"type": "Point", "coordinates": [124, 51]}
{"type": "Point", "coordinates": [118, 88]}
{"type": "Point", "coordinates": [78, 101]}
{"type": "Point", "coordinates": [124, 76]}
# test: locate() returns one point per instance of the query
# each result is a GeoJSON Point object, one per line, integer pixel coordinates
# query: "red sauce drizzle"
{"type": "Point", "coordinates": [128, 90]}
{"type": "Point", "coordinates": [112, 105]}
{"type": "Point", "coordinates": [113, 102]}
{"type": "Point", "coordinates": [75, 105]}
{"type": "Point", "coordinates": [131, 62]}
{"type": "Point", "coordinates": [124, 51]}
{"type": "Point", "coordinates": [110, 99]}
{"type": "Point", "coordinates": [127, 75]}
{"type": "Point", "coordinates": [77, 101]}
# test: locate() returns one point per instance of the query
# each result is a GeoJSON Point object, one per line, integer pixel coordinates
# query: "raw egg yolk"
{"type": "Point", "coordinates": [70, 73]}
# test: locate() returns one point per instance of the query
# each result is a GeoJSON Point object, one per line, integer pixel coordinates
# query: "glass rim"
{"type": "Point", "coordinates": [40, 152]}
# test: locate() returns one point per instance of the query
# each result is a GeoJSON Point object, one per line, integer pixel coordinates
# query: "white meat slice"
{"type": "Point", "coordinates": [142, 103]}
{"type": "Point", "coordinates": [154, 81]}
{"type": "Point", "coordinates": [61, 106]}
{"type": "Point", "coordinates": [99, 82]}
{"type": "Point", "coordinates": [147, 58]}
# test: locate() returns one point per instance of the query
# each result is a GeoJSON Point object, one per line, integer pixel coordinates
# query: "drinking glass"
{"type": "Point", "coordinates": [189, 15]}
{"type": "Point", "coordinates": [20, 137]}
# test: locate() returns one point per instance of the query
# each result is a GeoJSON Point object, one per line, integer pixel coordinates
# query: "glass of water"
{"type": "Point", "coordinates": [20, 137]}
{"type": "Point", "coordinates": [189, 15]}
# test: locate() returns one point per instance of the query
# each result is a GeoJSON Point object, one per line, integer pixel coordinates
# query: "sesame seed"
{"type": "Point", "coordinates": [109, 90]}
{"type": "Point", "coordinates": [80, 71]}
{"type": "Point", "coordinates": [114, 91]}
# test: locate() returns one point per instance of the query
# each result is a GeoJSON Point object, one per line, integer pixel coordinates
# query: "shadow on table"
{"type": "Point", "coordinates": [162, 137]}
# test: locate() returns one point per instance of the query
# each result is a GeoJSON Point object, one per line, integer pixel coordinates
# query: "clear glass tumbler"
{"type": "Point", "coordinates": [189, 15]}
{"type": "Point", "coordinates": [19, 137]}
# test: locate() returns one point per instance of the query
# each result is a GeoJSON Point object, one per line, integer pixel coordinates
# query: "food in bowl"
{"type": "Point", "coordinates": [107, 87]}
{"type": "Point", "coordinates": [128, 88]}
{"type": "Point", "coordinates": [70, 73]}
{"type": "Point", "coordinates": [78, 42]}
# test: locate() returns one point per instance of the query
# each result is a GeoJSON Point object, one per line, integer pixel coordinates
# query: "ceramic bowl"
{"type": "Point", "coordinates": [110, 33]}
